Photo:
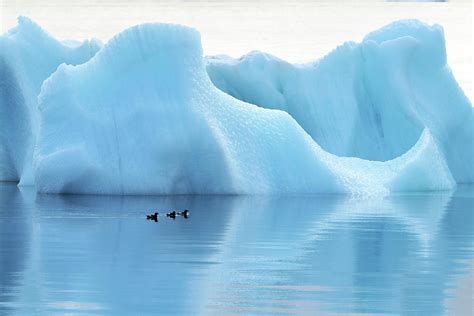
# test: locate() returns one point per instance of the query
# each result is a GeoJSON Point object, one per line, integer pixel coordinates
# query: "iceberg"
{"type": "Point", "coordinates": [28, 55]}
{"type": "Point", "coordinates": [370, 100]}
{"type": "Point", "coordinates": [143, 117]}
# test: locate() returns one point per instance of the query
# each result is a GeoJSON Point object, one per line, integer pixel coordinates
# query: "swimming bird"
{"type": "Point", "coordinates": [153, 217]}
{"type": "Point", "coordinates": [184, 213]}
{"type": "Point", "coordinates": [172, 214]}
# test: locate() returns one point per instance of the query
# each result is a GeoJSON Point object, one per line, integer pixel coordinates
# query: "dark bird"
{"type": "Point", "coordinates": [152, 217]}
{"type": "Point", "coordinates": [184, 213]}
{"type": "Point", "coordinates": [171, 214]}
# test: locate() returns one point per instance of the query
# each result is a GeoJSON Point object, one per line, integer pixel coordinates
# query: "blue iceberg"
{"type": "Point", "coordinates": [370, 100]}
{"type": "Point", "coordinates": [28, 55]}
{"type": "Point", "coordinates": [147, 114]}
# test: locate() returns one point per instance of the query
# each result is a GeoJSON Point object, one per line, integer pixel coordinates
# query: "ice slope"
{"type": "Point", "coordinates": [143, 117]}
{"type": "Point", "coordinates": [28, 55]}
{"type": "Point", "coordinates": [370, 100]}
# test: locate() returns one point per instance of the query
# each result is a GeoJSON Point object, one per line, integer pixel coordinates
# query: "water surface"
{"type": "Point", "coordinates": [315, 255]}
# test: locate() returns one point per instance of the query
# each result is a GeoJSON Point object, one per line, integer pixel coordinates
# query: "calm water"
{"type": "Point", "coordinates": [297, 30]}
{"type": "Point", "coordinates": [410, 254]}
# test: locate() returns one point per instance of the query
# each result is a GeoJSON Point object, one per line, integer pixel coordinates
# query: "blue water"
{"type": "Point", "coordinates": [405, 254]}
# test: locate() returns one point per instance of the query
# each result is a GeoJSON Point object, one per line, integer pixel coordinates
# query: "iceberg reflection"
{"type": "Point", "coordinates": [235, 254]}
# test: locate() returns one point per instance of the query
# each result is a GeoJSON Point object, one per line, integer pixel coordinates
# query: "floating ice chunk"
{"type": "Point", "coordinates": [143, 117]}
{"type": "Point", "coordinates": [28, 55]}
{"type": "Point", "coordinates": [370, 100]}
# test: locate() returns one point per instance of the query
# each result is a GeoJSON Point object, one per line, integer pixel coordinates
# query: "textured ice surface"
{"type": "Point", "coordinates": [143, 117]}
{"type": "Point", "coordinates": [28, 55]}
{"type": "Point", "coordinates": [370, 100]}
